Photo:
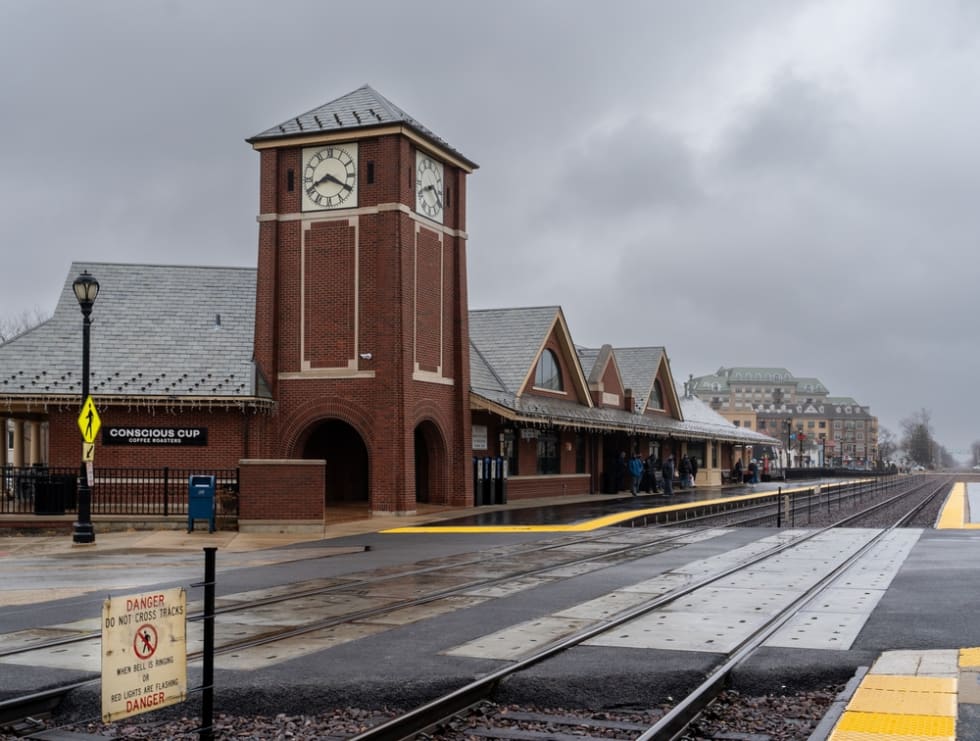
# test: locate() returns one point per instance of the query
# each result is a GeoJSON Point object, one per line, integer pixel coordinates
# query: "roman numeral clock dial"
{"type": "Point", "coordinates": [330, 177]}
{"type": "Point", "coordinates": [429, 193]}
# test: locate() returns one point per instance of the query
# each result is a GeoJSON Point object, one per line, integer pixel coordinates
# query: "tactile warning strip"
{"type": "Point", "coordinates": [969, 658]}
{"type": "Point", "coordinates": [906, 695]}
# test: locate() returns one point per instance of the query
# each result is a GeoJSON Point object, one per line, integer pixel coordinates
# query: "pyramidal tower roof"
{"type": "Point", "coordinates": [364, 108]}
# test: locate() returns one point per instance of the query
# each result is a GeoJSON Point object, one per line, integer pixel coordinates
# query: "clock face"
{"type": "Point", "coordinates": [429, 192]}
{"type": "Point", "coordinates": [330, 177]}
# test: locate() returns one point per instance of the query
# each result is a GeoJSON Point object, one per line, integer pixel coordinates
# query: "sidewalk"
{"type": "Point", "coordinates": [175, 537]}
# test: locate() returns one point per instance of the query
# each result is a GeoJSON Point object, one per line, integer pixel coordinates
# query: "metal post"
{"type": "Point", "coordinates": [83, 530]}
{"type": "Point", "coordinates": [779, 507]}
{"type": "Point", "coordinates": [206, 732]}
{"type": "Point", "coordinates": [166, 491]}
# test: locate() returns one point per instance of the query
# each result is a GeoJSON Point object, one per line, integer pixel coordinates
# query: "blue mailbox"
{"type": "Point", "coordinates": [200, 501]}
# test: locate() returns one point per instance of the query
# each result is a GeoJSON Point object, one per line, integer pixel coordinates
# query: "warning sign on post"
{"type": "Point", "coordinates": [144, 653]}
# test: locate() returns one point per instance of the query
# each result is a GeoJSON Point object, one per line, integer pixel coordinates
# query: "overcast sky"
{"type": "Point", "coordinates": [764, 183]}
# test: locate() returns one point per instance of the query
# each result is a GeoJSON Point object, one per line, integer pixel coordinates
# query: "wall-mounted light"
{"type": "Point", "coordinates": [366, 356]}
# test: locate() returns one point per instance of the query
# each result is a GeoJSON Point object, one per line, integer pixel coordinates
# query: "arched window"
{"type": "Point", "coordinates": [656, 401]}
{"type": "Point", "coordinates": [548, 375]}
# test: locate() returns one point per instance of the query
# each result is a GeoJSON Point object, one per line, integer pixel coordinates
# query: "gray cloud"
{"type": "Point", "coordinates": [757, 183]}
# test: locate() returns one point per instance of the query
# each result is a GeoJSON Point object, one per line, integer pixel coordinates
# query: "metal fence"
{"type": "Point", "coordinates": [160, 492]}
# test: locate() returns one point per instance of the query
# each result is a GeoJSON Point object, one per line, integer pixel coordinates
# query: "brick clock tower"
{"type": "Point", "coordinates": [361, 313]}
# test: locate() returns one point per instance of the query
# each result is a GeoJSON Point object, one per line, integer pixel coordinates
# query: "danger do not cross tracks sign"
{"type": "Point", "coordinates": [144, 653]}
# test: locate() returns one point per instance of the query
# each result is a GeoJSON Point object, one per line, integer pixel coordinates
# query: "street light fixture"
{"type": "Point", "coordinates": [86, 290]}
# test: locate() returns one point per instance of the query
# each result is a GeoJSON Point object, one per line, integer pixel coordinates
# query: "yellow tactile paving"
{"type": "Point", "coordinates": [893, 683]}
{"type": "Point", "coordinates": [969, 658]}
{"type": "Point", "coordinates": [909, 701]}
{"type": "Point", "coordinates": [880, 725]}
{"type": "Point", "coordinates": [954, 511]}
{"type": "Point", "coordinates": [955, 514]}
{"type": "Point", "coordinates": [918, 705]}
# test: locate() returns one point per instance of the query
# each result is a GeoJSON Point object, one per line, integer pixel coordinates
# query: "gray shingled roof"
{"type": "Point", "coordinates": [503, 345]}
{"type": "Point", "coordinates": [638, 367]}
{"type": "Point", "coordinates": [508, 341]}
{"type": "Point", "coordinates": [589, 359]}
{"type": "Point", "coordinates": [361, 109]}
{"type": "Point", "coordinates": [157, 331]}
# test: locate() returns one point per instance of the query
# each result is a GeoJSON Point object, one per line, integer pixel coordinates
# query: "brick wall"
{"type": "Point", "coordinates": [228, 434]}
{"type": "Point", "coordinates": [280, 490]}
{"type": "Point", "coordinates": [406, 303]}
{"type": "Point", "coordinates": [546, 486]}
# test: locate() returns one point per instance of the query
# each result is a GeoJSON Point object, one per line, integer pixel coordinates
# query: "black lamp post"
{"type": "Point", "coordinates": [789, 439]}
{"type": "Point", "coordinates": [86, 289]}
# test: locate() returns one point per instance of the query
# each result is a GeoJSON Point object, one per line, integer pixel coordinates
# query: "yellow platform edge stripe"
{"type": "Point", "coordinates": [897, 724]}
{"type": "Point", "coordinates": [908, 701]}
{"type": "Point", "coordinates": [587, 525]}
{"type": "Point", "coordinates": [903, 683]}
{"type": "Point", "coordinates": [954, 512]}
{"type": "Point", "coordinates": [969, 658]}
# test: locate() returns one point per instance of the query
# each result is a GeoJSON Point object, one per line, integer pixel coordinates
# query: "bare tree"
{"type": "Point", "coordinates": [917, 439]}
{"type": "Point", "coordinates": [10, 327]}
{"type": "Point", "coordinates": [886, 445]}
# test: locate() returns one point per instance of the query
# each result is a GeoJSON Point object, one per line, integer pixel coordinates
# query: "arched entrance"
{"type": "Point", "coordinates": [347, 461]}
{"type": "Point", "coordinates": [431, 466]}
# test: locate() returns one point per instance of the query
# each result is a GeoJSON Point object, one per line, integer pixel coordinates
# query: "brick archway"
{"type": "Point", "coordinates": [431, 464]}
{"type": "Point", "coordinates": [347, 479]}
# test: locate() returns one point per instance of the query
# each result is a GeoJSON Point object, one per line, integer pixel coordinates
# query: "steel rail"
{"type": "Point", "coordinates": [9, 705]}
{"type": "Point", "coordinates": [430, 715]}
{"type": "Point", "coordinates": [672, 725]}
{"type": "Point", "coordinates": [357, 584]}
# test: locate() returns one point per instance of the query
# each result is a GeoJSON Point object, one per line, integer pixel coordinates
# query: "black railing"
{"type": "Point", "coordinates": [158, 492]}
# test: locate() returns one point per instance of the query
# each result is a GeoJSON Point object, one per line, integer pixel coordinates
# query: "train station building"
{"type": "Point", "coordinates": [346, 367]}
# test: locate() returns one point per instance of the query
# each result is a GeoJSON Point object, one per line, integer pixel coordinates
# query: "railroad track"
{"type": "Point", "coordinates": [758, 510]}
{"type": "Point", "coordinates": [441, 717]}
{"type": "Point", "coordinates": [513, 558]}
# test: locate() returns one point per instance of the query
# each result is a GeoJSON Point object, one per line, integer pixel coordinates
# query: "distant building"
{"type": "Point", "coordinates": [814, 427]}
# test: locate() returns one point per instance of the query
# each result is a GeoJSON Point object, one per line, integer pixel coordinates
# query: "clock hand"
{"type": "Point", "coordinates": [333, 179]}
{"type": "Point", "coordinates": [435, 193]}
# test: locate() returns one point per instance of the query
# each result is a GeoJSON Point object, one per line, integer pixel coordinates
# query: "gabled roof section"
{"type": "Point", "coordinates": [364, 108]}
{"type": "Point", "coordinates": [641, 366]}
{"type": "Point", "coordinates": [508, 342]}
{"type": "Point", "coordinates": [158, 331]}
{"type": "Point", "coordinates": [598, 364]}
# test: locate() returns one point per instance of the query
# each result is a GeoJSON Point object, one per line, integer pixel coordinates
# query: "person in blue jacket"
{"type": "Point", "coordinates": [636, 473]}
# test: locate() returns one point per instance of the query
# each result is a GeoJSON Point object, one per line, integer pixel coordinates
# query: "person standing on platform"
{"type": "Point", "coordinates": [694, 470]}
{"type": "Point", "coordinates": [737, 471]}
{"type": "Point", "coordinates": [621, 471]}
{"type": "Point", "coordinates": [636, 473]}
{"type": "Point", "coordinates": [753, 472]}
{"type": "Point", "coordinates": [684, 470]}
{"type": "Point", "coordinates": [652, 471]}
{"type": "Point", "coordinates": [669, 475]}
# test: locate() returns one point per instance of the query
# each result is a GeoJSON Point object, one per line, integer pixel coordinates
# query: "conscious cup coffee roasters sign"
{"type": "Point", "coordinates": [154, 435]}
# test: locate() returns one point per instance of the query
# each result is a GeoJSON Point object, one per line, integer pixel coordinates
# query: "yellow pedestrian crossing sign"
{"type": "Point", "coordinates": [88, 421]}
